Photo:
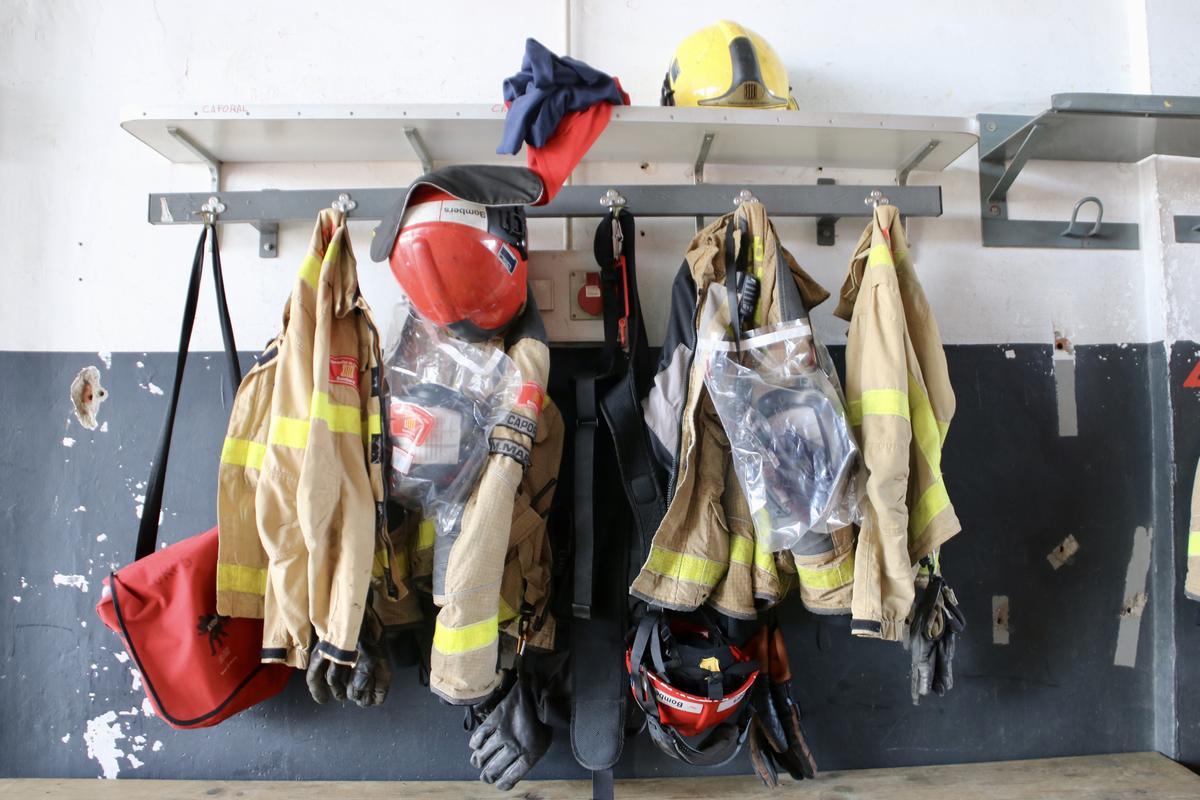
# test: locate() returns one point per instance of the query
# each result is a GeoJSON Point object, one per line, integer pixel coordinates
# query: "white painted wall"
{"type": "Point", "coordinates": [86, 272]}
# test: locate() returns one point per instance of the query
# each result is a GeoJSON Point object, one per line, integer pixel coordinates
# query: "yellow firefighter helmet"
{"type": "Point", "coordinates": [726, 65]}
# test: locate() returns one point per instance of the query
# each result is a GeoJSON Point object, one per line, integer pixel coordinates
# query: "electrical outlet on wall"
{"type": "Point", "coordinates": [559, 278]}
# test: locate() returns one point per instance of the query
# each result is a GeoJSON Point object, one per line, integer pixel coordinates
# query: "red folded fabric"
{"type": "Point", "coordinates": [563, 151]}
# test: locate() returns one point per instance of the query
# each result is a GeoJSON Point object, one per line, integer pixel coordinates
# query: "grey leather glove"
{"type": "Point", "coordinates": [936, 623]}
{"type": "Point", "coordinates": [511, 739]}
{"type": "Point", "coordinates": [366, 683]}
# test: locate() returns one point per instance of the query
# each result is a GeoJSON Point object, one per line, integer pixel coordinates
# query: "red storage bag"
{"type": "Point", "coordinates": [198, 668]}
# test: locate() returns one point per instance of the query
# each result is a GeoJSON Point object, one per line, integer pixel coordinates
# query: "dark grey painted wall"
{"type": "Point", "coordinates": [1019, 489]}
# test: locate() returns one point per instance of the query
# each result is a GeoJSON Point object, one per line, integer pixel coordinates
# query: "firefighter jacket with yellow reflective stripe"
{"type": "Point", "coordinates": [303, 460]}
{"type": "Point", "coordinates": [900, 401]}
{"type": "Point", "coordinates": [1191, 586]}
{"type": "Point", "coordinates": [473, 582]}
{"type": "Point", "coordinates": [705, 549]}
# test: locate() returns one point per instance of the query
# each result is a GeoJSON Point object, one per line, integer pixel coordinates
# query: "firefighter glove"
{"type": "Point", "coordinates": [937, 621]}
{"type": "Point", "coordinates": [366, 683]}
{"type": "Point", "coordinates": [511, 739]}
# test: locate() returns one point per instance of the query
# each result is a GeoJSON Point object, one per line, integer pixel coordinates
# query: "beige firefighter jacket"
{"type": "Point", "coordinates": [901, 402]}
{"type": "Point", "coordinates": [502, 525]}
{"type": "Point", "coordinates": [705, 549]}
{"type": "Point", "coordinates": [1191, 586]}
{"type": "Point", "coordinates": [302, 460]}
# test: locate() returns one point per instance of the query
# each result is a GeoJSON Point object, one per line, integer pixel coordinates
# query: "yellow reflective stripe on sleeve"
{"type": "Point", "coordinates": [765, 560]}
{"type": "Point", "coordinates": [878, 402]}
{"type": "Point", "coordinates": [934, 501]}
{"type": "Point", "coordinates": [426, 534]}
{"type": "Point", "coordinates": [925, 428]}
{"type": "Point", "coordinates": [746, 551]}
{"type": "Point", "coordinates": [310, 270]}
{"type": "Point", "coordinates": [1193, 544]}
{"type": "Point", "coordinates": [243, 453]}
{"type": "Point", "coordinates": [507, 612]}
{"type": "Point", "coordinates": [374, 424]}
{"type": "Point", "coordinates": [339, 418]}
{"type": "Point", "coordinates": [288, 432]}
{"type": "Point", "coordinates": [741, 550]}
{"type": "Point", "coordinates": [943, 429]}
{"type": "Point", "coordinates": [238, 578]}
{"type": "Point", "coordinates": [693, 569]}
{"type": "Point", "coordinates": [880, 256]}
{"type": "Point", "coordinates": [830, 578]}
{"type": "Point", "coordinates": [453, 641]}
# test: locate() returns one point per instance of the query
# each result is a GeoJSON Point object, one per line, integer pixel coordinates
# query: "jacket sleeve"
{"type": "Point", "coordinates": [1192, 585]}
{"type": "Point", "coordinates": [336, 505]}
{"type": "Point", "coordinates": [463, 659]}
{"type": "Point", "coordinates": [877, 380]}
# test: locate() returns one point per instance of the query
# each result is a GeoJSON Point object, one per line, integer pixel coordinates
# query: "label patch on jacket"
{"type": "Point", "coordinates": [508, 257]}
{"type": "Point", "coordinates": [344, 370]}
{"type": "Point", "coordinates": [531, 397]}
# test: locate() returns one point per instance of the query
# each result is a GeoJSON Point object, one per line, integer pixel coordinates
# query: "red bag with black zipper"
{"type": "Point", "coordinates": [198, 668]}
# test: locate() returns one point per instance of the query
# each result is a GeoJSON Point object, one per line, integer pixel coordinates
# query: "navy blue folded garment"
{"type": "Point", "coordinates": [546, 89]}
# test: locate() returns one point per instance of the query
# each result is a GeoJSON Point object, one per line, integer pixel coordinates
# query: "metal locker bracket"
{"type": "Point", "coordinates": [826, 226]}
{"type": "Point", "coordinates": [997, 174]}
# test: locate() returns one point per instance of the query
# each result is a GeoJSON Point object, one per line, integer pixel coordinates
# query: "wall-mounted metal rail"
{"type": "Point", "coordinates": [266, 208]}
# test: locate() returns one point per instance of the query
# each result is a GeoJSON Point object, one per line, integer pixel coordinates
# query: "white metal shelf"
{"type": "Point", "coordinates": [470, 133]}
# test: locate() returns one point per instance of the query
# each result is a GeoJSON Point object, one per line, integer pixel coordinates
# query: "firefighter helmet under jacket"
{"type": "Point", "coordinates": [691, 682]}
{"type": "Point", "coordinates": [726, 65]}
{"type": "Point", "coordinates": [456, 243]}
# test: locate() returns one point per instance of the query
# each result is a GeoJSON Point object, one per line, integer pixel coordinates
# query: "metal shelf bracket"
{"type": "Point", "coordinates": [214, 166]}
{"type": "Point", "coordinates": [419, 149]}
{"type": "Point", "coordinates": [826, 226]}
{"type": "Point", "coordinates": [996, 177]}
{"type": "Point", "coordinates": [913, 161]}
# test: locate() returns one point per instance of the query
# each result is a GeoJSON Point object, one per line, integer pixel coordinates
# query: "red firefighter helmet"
{"type": "Point", "coordinates": [691, 682]}
{"type": "Point", "coordinates": [456, 244]}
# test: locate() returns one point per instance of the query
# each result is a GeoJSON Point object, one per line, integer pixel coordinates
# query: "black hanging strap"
{"type": "Point", "coordinates": [147, 539]}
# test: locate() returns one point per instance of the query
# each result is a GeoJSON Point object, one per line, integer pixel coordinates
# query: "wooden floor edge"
{"type": "Point", "coordinates": [1072, 776]}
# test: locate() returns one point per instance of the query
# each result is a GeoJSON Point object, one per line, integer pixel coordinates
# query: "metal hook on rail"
{"type": "Point", "coordinates": [211, 209]}
{"type": "Point", "coordinates": [744, 196]}
{"type": "Point", "coordinates": [876, 199]}
{"type": "Point", "coordinates": [1076, 233]}
{"type": "Point", "coordinates": [613, 200]}
{"type": "Point", "coordinates": [344, 203]}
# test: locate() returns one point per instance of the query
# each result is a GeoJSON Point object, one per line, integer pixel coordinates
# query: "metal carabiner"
{"type": "Point", "coordinates": [1076, 234]}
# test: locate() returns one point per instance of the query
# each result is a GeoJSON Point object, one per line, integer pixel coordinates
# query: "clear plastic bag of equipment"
{"type": "Point", "coordinates": [782, 408]}
{"type": "Point", "coordinates": [443, 397]}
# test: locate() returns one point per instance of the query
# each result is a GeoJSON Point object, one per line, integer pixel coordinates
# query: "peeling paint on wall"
{"type": "Point", "coordinates": [1064, 553]}
{"type": "Point", "coordinates": [1064, 385]}
{"type": "Point", "coordinates": [1000, 619]}
{"type": "Point", "coordinates": [101, 737]}
{"type": "Point", "coordinates": [77, 581]}
{"type": "Point", "coordinates": [1135, 598]}
{"type": "Point", "coordinates": [86, 396]}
